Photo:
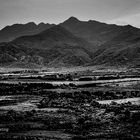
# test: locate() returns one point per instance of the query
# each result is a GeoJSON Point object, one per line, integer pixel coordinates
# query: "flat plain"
{"type": "Point", "coordinates": [101, 104]}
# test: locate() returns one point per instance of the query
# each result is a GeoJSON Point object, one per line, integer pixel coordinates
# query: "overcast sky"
{"type": "Point", "coordinates": [56, 11]}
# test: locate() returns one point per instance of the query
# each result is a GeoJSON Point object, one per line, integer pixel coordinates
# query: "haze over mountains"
{"type": "Point", "coordinates": [11, 32]}
{"type": "Point", "coordinates": [71, 43]}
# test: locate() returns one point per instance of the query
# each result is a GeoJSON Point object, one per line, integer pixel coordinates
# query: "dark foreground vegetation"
{"type": "Point", "coordinates": [69, 115]}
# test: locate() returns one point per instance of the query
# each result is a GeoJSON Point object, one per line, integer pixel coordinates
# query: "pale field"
{"type": "Point", "coordinates": [135, 101]}
{"type": "Point", "coordinates": [28, 103]}
{"type": "Point", "coordinates": [120, 82]}
{"type": "Point", "coordinates": [97, 68]}
{"type": "Point", "coordinates": [44, 134]}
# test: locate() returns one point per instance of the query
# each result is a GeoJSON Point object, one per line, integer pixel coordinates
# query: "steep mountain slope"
{"type": "Point", "coordinates": [115, 45]}
{"type": "Point", "coordinates": [74, 43]}
{"type": "Point", "coordinates": [53, 37]}
{"type": "Point", "coordinates": [95, 32]}
{"type": "Point", "coordinates": [121, 50]}
{"type": "Point", "coordinates": [53, 47]}
{"type": "Point", "coordinates": [17, 30]}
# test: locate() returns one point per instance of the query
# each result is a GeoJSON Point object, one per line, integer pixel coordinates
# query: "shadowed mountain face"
{"type": "Point", "coordinates": [95, 32]}
{"type": "Point", "coordinates": [73, 43]}
{"type": "Point", "coordinates": [113, 45]}
{"type": "Point", "coordinates": [10, 33]}
{"type": "Point", "coordinates": [121, 50]}
{"type": "Point", "coordinates": [56, 37]}
{"type": "Point", "coordinates": [53, 47]}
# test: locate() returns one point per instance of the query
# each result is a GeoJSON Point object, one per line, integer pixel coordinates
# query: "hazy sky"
{"type": "Point", "coordinates": [55, 11]}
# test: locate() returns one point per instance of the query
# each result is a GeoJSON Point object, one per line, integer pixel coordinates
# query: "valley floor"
{"type": "Point", "coordinates": [73, 107]}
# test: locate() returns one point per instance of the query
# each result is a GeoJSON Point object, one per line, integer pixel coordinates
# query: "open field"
{"type": "Point", "coordinates": [69, 106]}
{"type": "Point", "coordinates": [29, 103]}
{"type": "Point", "coordinates": [127, 80]}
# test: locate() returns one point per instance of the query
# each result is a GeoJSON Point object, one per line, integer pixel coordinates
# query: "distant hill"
{"type": "Point", "coordinates": [10, 33]}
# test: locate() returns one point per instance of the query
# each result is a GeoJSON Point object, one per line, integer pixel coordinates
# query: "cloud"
{"type": "Point", "coordinates": [131, 19]}
{"type": "Point", "coordinates": [12, 11]}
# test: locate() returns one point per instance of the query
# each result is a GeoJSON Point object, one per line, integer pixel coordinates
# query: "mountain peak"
{"type": "Point", "coordinates": [31, 23]}
{"type": "Point", "coordinates": [42, 24]}
{"type": "Point", "coordinates": [130, 26]}
{"type": "Point", "coordinates": [72, 20]}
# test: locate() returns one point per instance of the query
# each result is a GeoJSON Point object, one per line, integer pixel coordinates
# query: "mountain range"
{"type": "Point", "coordinates": [71, 43]}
